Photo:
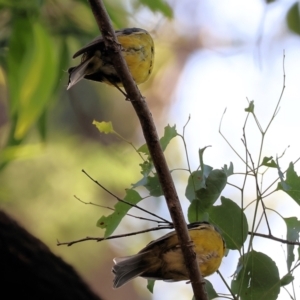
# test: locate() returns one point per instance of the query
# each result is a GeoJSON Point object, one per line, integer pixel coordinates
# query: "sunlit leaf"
{"type": "Point", "coordinates": [32, 73]}
{"type": "Point", "coordinates": [20, 152]}
{"type": "Point", "coordinates": [104, 127]}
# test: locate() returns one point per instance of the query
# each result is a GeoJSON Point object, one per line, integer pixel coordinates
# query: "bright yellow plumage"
{"type": "Point", "coordinates": [137, 49]}
{"type": "Point", "coordinates": [162, 259]}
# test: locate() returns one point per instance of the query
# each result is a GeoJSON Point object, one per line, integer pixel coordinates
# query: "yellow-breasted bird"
{"type": "Point", "coordinates": [162, 259]}
{"type": "Point", "coordinates": [137, 49]}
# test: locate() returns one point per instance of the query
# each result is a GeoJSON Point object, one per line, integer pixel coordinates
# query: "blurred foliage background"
{"type": "Point", "coordinates": [46, 133]}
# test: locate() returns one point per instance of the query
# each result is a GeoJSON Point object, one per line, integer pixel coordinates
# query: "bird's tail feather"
{"type": "Point", "coordinates": [77, 73]}
{"type": "Point", "coordinates": [129, 267]}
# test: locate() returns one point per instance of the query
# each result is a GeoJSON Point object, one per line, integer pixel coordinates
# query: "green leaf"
{"type": "Point", "coordinates": [159, 6]}
{"type": "Point", "coordinates": [211, 293]}
{"type": "Point", "coordinates": [196, 181]}
{"type": "Point", "coordinates": [258, 277]}
{"type": "Point", "coordinates": [292, 184]}
{"type": "Point", "coordinates": [231, 221]}
{"type": "Point", "coordinates": [32, 73]}
{"type": "Point", "coordinates": [293, 18]}
{"type": "Point", "coordinates": [111, 222]}
{"type": "Point", "coordinates": [195, 211]}
{"type": "Point", "coordinates": [269, 162]}
{"type": "Point", "coordinates": [204, 169]}
{"type": "Point", "coordinates": [286, 279]}
{"type": "Point", "coordinates": [150, 285]}
{"type": "Point", "coordinates": [146, 167]}
{"type": "Point", "coordinates": [153, 186]}
{"type": "Point", "coordinates": [214, 185]}
{"type": "Point", "coordinates": [228, 171]}
{"type": "Point", "coordinates": [104, 127]}
{"type": "Point", "coordinates": [293, 230]}
{"type": "Point", "coordinates": [144, 149]}
{"type": "Point", "coordinates": [169, 134]}
{"type": "Point", "coordinates": [42, 125]}
{"type": "Point", "coordinates": [20, 152]}
{"type": "Point", "coordinates": [281, 178]}
{"type": "Point", "coordinates": [204, 197]}
{"type": "Point", "coordinates": [210, 290]}
{"type": "Point", "coordinates": [250, 108]}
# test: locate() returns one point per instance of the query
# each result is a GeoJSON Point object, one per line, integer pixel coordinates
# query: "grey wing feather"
{"type": "Point", "coordinates": [77, 73]}
{"type": "Point", "coordinates": [97, 41]}
{"type": "Point", "coordinates": [93, 44]}
{"type": "Point", "coordinates": [127, 268]}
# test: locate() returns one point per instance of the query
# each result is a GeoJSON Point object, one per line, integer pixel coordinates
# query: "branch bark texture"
{"type": "Point", "coordinates": [152, 140]}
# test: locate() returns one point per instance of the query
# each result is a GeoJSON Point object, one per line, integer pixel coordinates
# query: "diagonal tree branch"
{"type": "Point", "coordinates": [152, 140]}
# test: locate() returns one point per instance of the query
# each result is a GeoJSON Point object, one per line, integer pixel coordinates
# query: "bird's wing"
{"type": "Point", "coordinates": [98, 41]}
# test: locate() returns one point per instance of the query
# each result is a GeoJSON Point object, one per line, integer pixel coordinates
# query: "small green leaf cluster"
{"type": "Point", "coordinates": [149, 180]}
{"type": "Point", "coordinates": [256, 275]}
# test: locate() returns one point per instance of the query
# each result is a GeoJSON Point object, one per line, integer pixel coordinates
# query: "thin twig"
{"type": "Point", "coordinates": [123, 201]}
{"type": "Point", "coordinates": [226, 284]}
{"type": "Point", "coordinates": [185, 146]}
{"type": "Point", "coordinates": [110, 208]}
{"type": "Point", "coordinates": [259, 197]}
{"type": "Point", "coordinates": [223, 136]}
{"type": "Point", "coordinates": [271, 237]}
{"type": "Point", "coordinates": [100, 239]}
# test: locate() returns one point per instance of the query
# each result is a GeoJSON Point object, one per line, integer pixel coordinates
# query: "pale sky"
{"type": "Point", "coordinates": [217, 78]}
